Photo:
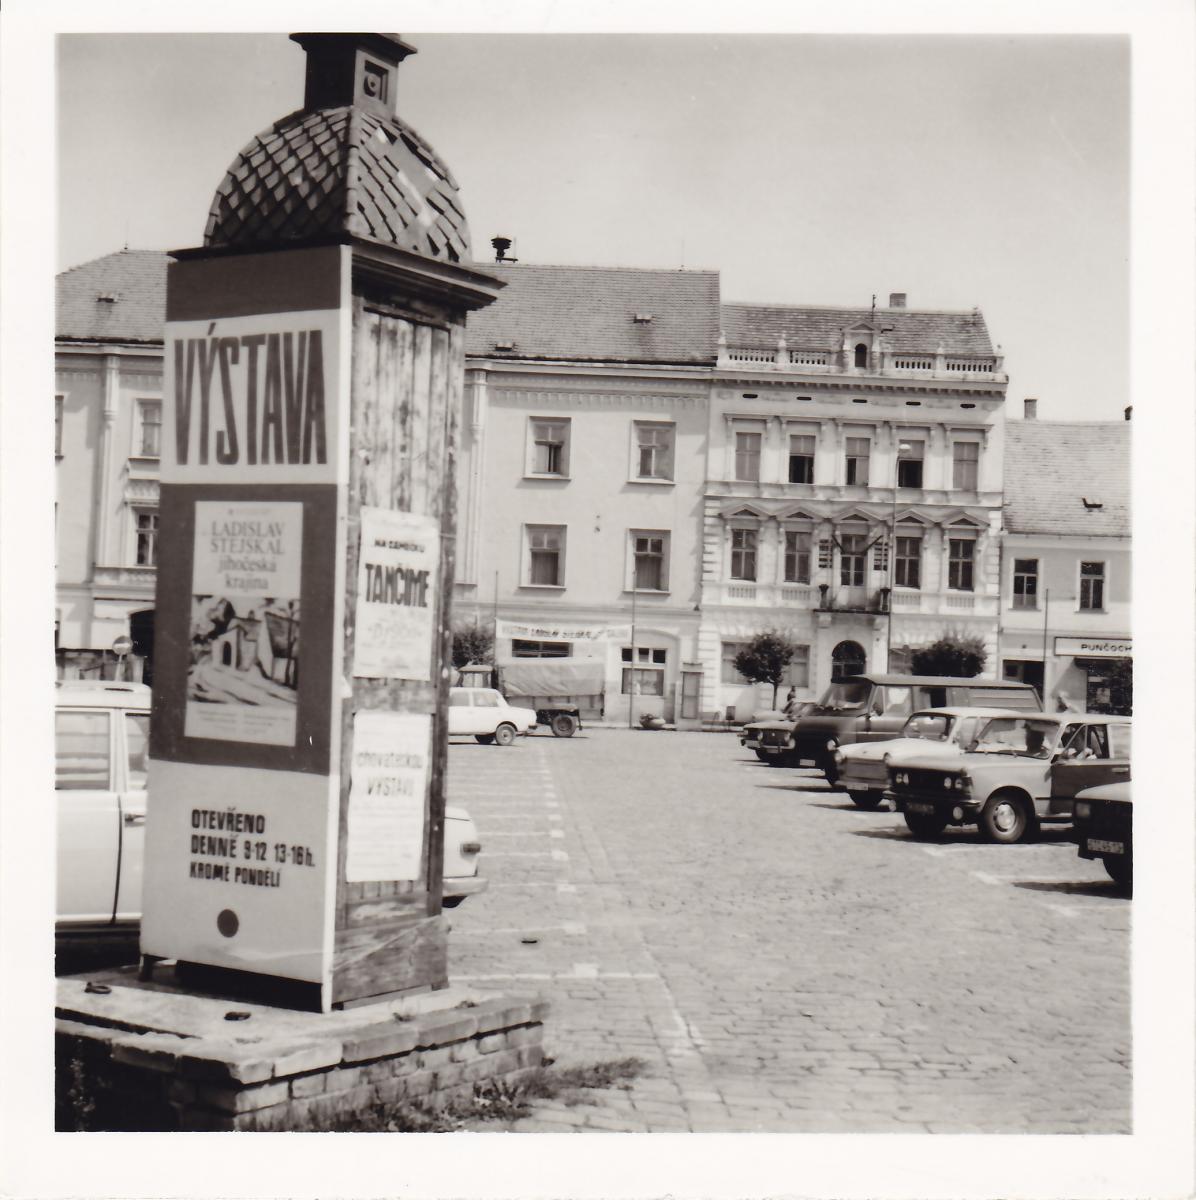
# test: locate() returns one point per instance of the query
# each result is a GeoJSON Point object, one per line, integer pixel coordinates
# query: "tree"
{"type": "Point", "coordinates": [471, 644]}
{"type": "Point", "coordinates": [764, 659]}
{"type": "Point", "coordinates": [954, 654]}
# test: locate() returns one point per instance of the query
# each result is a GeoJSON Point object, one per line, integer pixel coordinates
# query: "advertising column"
{"type": "Point", "coordinates": [244, 783]}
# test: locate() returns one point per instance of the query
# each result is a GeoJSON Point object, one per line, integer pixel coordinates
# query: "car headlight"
{"type": "Point", "coordinates": [832, 744]}
{"type": "Point", "coordinates": [1083, 810]}
{"type": "Point", "coordinates": [948, 782]}
{"type": "Point", "coordinates": [901, 777]}
{"type": "Point", "coordinates": [839, 758]}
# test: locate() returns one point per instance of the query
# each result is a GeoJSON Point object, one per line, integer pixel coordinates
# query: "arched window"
{"type": "Point", "coordinates": [847, 658]}
{"type": "Point", "coordinates": [861, 355]}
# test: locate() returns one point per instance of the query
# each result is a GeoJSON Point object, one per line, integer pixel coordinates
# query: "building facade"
{"type": "Point", "coordinates": [582, 462]}
{"type": "Point", "coordinates": [107, 414]}
{"type": "Point", "coordinates": [853, 490]}
{"type": "Point", "coordinates": [1066, 574]}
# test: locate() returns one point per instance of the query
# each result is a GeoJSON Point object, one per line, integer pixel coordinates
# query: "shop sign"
{"type": "Point", "coordinates": [1078, 647]}
{"type": "Point", "coordinates": [558, 632]}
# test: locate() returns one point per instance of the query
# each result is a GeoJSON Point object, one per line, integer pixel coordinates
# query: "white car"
{"type": "Point", "coordinates": [485, 713]}
{"type": "Point", "coordinates": [863, 766]}
{"type": "Point", "coordinates": [101, 737]}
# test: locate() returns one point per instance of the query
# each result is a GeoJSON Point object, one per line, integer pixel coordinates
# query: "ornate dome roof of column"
{"type": "Point", "coordinates": [343, 164]}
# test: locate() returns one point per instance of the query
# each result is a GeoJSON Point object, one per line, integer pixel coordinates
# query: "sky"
{"type": "Point", "coordinates": [988, 171]}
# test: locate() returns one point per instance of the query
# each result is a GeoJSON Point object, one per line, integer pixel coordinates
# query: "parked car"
{"type": "Point", "coordinates": [863, 768]}
{"type": "Point", "coordinates": [101, 756]}
{"type": "Point", "coordinates": [1103, 818]}
{"type": "Point", "coordinates": [750, 734]}
{"type": "Point", "coordinates": [485, 713]}
{"type": "Point", "coordinates": [870, 708]}
{"type": "Point", "coordinates": [1020, 772]}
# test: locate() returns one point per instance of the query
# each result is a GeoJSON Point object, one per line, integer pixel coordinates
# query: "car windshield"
{"type": "Point", "coordinates": [932, 727]}
{"type": "Point", "coordinates": [846, 694]}
{"type": "Point", "coordinates": [1023, 736]}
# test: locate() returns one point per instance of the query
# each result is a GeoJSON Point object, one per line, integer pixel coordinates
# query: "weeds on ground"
{"type": "Point", "coordinates": [493, 1100]}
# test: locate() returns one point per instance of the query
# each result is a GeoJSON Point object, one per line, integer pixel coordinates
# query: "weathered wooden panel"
{"type": "Point", "coordinates": [405, 388]}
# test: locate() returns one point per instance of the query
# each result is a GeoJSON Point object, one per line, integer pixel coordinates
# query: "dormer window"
{"type": "Point", "coordinates": [861, 355]}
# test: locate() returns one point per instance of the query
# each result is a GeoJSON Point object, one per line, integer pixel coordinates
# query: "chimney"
{"type": "Point", "coordinates": [361, 69]}
{"type": "Point", "coordinates": [501, 246]}
{"type": "Point", "coordinates": [1129, 412]}
{"type": "Point", "coordinates": [1031, 408]}
{"type": "Point", "coordinates": [896, 299]}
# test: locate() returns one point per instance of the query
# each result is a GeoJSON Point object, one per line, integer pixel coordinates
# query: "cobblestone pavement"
{"type": "Point", "coordinates": [780, 960]}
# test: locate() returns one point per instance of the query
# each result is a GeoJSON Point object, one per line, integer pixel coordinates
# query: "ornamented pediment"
{"type": "Point", "coordinates": [744, 510]}
{"type": "Point", "coordinates": [798, 512]}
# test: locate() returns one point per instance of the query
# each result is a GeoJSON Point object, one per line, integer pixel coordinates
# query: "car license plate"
{"type": "Point", "coordinates": [1100, 846]}
{"type": "Point", "coordinates": [919, 806]}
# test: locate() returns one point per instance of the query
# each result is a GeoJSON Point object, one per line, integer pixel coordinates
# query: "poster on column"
{"type": "Point", "coordinates": [387, 789]}
{"type": "Point", "coordinates": [396, 595]}
{"type": "Point", "coordinates": [243, 675]}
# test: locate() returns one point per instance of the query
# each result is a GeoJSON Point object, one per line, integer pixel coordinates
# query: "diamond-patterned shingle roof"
{"type": "Point", "coordinates": [134, 281]}
{"type": "Point", "coordinates": [1053, 467]}
{"type": "Point", "coordinates": [908, 330]}
{"type": "Point", "coordinates": [340, 170]}
{"type": "Point", "coordinates": [588, 314]}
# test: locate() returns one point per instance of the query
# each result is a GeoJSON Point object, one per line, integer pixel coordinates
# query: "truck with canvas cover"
{"type": "Point", "coordinates": [561, 690]}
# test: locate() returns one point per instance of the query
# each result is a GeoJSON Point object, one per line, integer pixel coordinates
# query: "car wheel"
{"type": "Point", "coordinates": [925, 825]}
{"type": "Point", "coordinates": [484, 738]}
{"type": "Point", "coordinates": [1004, 819]}
{"type": "Point", "coordinates": [1121, 870]}
{"type": "Point", "coordinates": [829, 769]}
{"type": "Point", "coordinates": [775, 760]}
{"type": "Point", "coordinates": [762, 756]}
{"type": "Point", "coordinates": [451, 901]}
{"type": "Point", "coordinates": [866, 799]}
{"type": "Point", "coordinates": [504, 735]}
{"type": "Point", "coordinates": [563, 725]}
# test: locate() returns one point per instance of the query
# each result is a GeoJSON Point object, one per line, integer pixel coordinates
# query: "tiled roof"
{"type": "Point", "coordinates": [1053, 467]}
{"type": "Point", "coordinates": [907, 330]}
{"type": "Point", "coordinates": [135, 281]}
{"type": "Point", "coordinates": [588, 314]}
{"type": "Point", "coordinates": [340, 170]}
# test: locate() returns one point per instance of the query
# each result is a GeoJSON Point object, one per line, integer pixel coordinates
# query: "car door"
{"type": "Point", "coordinates": [890, 709]}
{"type": "Point", "coordinates": [1085, 763]}
{"type": "Point", "coordinates": [132, 745]}
{"type": "Point", "coordinates": [486, 714]}
{"type": "Point", "coordinates": [88, 816]}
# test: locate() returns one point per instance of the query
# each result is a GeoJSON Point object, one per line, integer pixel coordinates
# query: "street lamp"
{"type": "Point", "coordinates": [902, 447]}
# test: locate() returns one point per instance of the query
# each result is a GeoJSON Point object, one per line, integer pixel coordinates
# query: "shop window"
{"type": "Point", "coordinates": [1023, 671]}
{"type": "Point", "coordinates": [961, 564]}
{"type": "Point", "coordinates": [801, 458]}
{"type": "Point", "coordinates": [859, 453]}
{"type": "Point", "coordinates": [909, 464]}
{"type": "Point", "coordinates": [643, 670]}
{"type": "Point", "coordinates": [747, 457]}
{"type": "Point", "coordinates": [653, 450]}
{"type": "Point", "coordinates": [149, 429]}
{"type": "Point", "coordinates": [549, 448]}
{"type": "Point", "coordinates": [852, 555]}
{"type": "Point", "coordinates": [545, 555]}
{"type": "Point", "coordinates": [966, 466]}
{"type": "Point", "coordinates": [145, 522]}
{"type": "Point", "coordinates": [525, 648]}
{"type": "Point", "coordinates": [1025, 583]}
{"type": "Point", "coordinates": [1092, 586]}
{"type": "Point", "coordinates": [743, 554]}
{"type": "Point", "coordinates": [729, 672]}
{"type": "Point", "coordinates": [797, 556]}
{"type": "Point", "coordinates": [907, 566]}
{"type": "Point", "coordinates": [650, 561]}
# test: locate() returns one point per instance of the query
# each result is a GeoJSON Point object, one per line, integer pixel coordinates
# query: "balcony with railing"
{"type": "Point", "coordinates": [885, 364]}
{"type": "Point", "coordinates": [827, 599]}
